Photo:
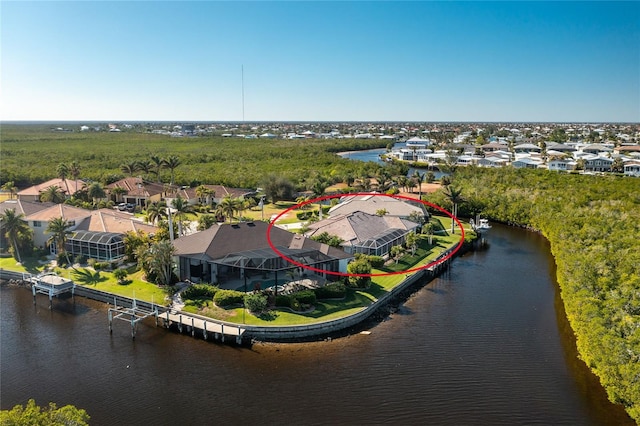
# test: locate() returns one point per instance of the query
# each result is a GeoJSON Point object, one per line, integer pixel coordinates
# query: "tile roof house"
{"type": "Point", "coordinates": [365, 233]}
{"type": "Point", "coordinates": [229, 252]}
{"type": "Point", "coordinates": [218, 191]}
{"type": "Point", "coordinates": [85, 222]}
{"type": "Point", "coordinates": [373, 203]}
{"type": "Point", "coordinates": [137, 191]}
{"type": "Point", "coordinates": [68, 186]}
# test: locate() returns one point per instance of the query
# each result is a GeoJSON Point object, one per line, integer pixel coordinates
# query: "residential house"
{"type": "Point", "coordinates": [137, 191]}
{"type": "Point", "coordinates": [632, 168]}
{"type": "Point", "coordinates": [21, 207]}
{"type": "Point", "coordinates": [365, 233]}
{"type": "Point", "coordinates": [68, 186]}
{"type": "Point", "coordinates": [101, 230]}
{"type": "Point", "coordinates": [242, 253]}
{"type": "Point", "coordinates": [597, 163]}
{"type": "Point", "coordinates": [372, 204]}
{"type": "Point", "coordinates": [526, 163]}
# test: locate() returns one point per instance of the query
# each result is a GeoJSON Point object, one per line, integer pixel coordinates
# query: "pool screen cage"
{"type": "Point", "coordinates": [96, 245]}
{"type": "Point", "coordinates": [381, 244]}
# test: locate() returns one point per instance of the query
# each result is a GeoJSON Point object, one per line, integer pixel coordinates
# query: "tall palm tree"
{"type": "Point", "coordinates": [53, 194]}
{"type": "Point", "coordinates": [156, 211]}
{"type": "Point", "coordinates": [454, 195]}
{"type": "Point", "coordinates": [118, 191]}
{"type": "Point", "coordinates": [11, 188]}
{"type": "Point", "coordinates": [59, 230]}
{"type": "Point", "coordinates": [129, 168]}
{"type": "Point", "coordinates": [62, 171]}
{"type": "Point", "coordinates": [96, 192]}
{"type": "Point", "coordinates": [182, 208]}
{"type": "Point", "coordinates": [418, 178]}
{"type": "Point", "coordinates": [15, 228]}
{"type": "Point", "coordinates": [145, 166]}
{"type": "Point", "coordinates": [74, 171]}
{"type": "Point", "coordinates": [172, 162]}
{"type": "Point", "coordinates": [203, 193]}
{"type": "Point", "coordinates": [228, 206]}
{"type": "Point", "coordinates": [159, 164]}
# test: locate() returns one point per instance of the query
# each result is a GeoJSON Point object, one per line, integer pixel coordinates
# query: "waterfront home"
{"type": "Point", "coordinates": [526, 163]}
{"type": "Point", "coordinates": [632, 168]}
{"type": "Point", "coordinates": [67, 186]}
{"type": "Point", "coordinates": [365, 233]}
{"type": "Point", "coordinates": [93, 223]}
{"type": "Point", "coordinates": [597, 163]}
{"type": "Point", "coordinates": [230, 253]}
{"type": "Point", "coordinates": [373, 204]}
{"type": "Point", "coordinates": [561, 164]}
{"type": "Point", "coordinates": [137, 191]}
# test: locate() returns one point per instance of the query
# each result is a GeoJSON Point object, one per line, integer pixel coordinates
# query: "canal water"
{"type": "Point", "coordinates": [374, 156]}
{"type": "Point", "coordinates": [486, 343]}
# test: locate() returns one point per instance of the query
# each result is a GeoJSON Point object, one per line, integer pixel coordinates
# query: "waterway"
{"type": "Point", "coordinates": [374, 156]}
{"type": "Point", "coordinates": [486, 343]}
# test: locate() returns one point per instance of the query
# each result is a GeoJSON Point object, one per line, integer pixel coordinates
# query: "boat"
{"type": "Point", "coordinates": [480, 225]}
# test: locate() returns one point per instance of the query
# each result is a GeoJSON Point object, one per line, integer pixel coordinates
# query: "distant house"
{"type": "Point", "coordinates": [68, 186]}
{"type": "Point", "coordinates": [526, 148]}
{"type": "Point", "coordinates": [137, 191]}
{"type": "Point", "coordinates": [526, 163]}
{"type": "Point", "coordinates": [218, 193]}
{"type": "Point", "coordinates": [632, 168]}
{"type": "Point", "coordinates": [241, 253]}
{"type": "Point", "coordinates": [561, 165]}
{"type": "Point", "coordinates": [597, 163]}
{"type": "Point", "coordinates": [365, 233]}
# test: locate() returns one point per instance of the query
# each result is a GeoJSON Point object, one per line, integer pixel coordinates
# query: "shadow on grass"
{"type": "Point", "coordinates": [268, 316]}
{"type": "Point", "coordinates": [352, 300]}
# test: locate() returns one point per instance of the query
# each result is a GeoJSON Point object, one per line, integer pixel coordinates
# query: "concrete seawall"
{"type": "Point", "coordinates": [268, 333]}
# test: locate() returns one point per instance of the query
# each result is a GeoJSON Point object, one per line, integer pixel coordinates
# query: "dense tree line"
{"type": "Point", "coordinates": [32, 155]}
{"type": "Point", "coordinates": [593, 225]}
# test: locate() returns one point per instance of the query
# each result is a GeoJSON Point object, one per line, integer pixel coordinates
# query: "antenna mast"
{"type": "Point", "coordinates": [242, 72]}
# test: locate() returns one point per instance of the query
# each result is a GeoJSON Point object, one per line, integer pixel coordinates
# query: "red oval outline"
{"type": "Point", "coordinates": [343, 274]}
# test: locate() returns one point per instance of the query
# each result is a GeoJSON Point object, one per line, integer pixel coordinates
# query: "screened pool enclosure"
{"type": "Point", "coordinates": [96, 245]}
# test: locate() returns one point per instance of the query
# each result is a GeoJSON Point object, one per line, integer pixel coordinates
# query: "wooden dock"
{"type": "Point", "coordinates": [208, 328]}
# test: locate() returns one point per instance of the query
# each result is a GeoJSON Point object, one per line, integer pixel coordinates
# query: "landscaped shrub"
{"type": "Point", "coordinates": [92, 262]}
{"type": "Point", "coordinates": [62, 261]}
{"type": "Point", "coordinates": [375, 261]}
{"type": "Point", "coordinates": [197, 291]}
{"type": "Point", "coordinates": [283, 301]}
{"type": "Point", "coordinates": [120, 275]}
{"type": "Point", "coordinates": [228, 297]}
{"type": "Point", "coordinates": [331, 291]}
{"type": "Point", "coordinates": [305, 297]}
{"type": "Point", "coordinates": [255, 302]}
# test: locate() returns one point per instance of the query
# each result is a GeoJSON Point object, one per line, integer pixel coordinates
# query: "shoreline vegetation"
{"type": "Point", "coordinates": [591, 222]}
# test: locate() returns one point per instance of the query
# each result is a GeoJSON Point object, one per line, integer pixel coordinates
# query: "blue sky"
{"type": "Point", "coordinates": [320, 61]}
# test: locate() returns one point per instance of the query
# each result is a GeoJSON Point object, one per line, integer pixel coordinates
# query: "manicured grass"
{"type": "Point", "coordinates": [137, 288]}
{"type": "Point", "coordinates": [30, 265]}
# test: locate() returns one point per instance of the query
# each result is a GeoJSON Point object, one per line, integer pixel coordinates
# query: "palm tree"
{"type": "Point", "coordinates": [59, 230]}
{"type": "Point", "coordinates": [129, 168]}
{"type": "Point", "coordinates": [228, 206]}
{"type": "Point", "coordinates": [159, 163]}
{"type": "Point", "coordinates": [74, 170]}
{"type": "Point", "coordinates": [11, 188]}
{"type": "Point", "coordinates": [206, 221]}
{"type": "Point", "coordinates": [118, 191]}
{"type": "Point", "coordinates": [15, 228]}
{"type": "Point", "coordinates": [412, 242]}
{"type": "Point", "coordinates": [53, 194]}
{"type": "Point", "coordinates": [181, 208]}
{"type": "Point", "coordinates": [428, 229]}
{"type": "Point", "coordinates": [454, 196]}
{"type": "Point", "coordinates": [96, 191]}
{"type": "Point", "coordinates": [62, 171]}
{"type": "Point", "coordinates": [172, 162]}
{"type": "Point", "coordinates": [157, 261]}
{"type": "Point", "coordinates": [145, 166]}
{"type": "Point", "coordinates": [156, 211]}
{"type": "Point", "coordinates": [418, 178]}
{"type": "Point", "coordinates": [203, 193]}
